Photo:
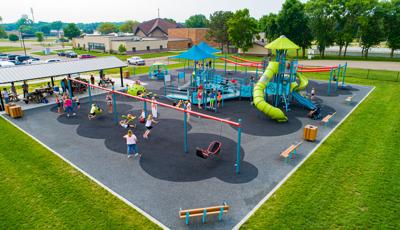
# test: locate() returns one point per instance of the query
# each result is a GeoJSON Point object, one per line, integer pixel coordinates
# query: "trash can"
{"type": "Point", "coordinates": [310, 133]}
{"type": "Point", "coordinates": [126, 74]}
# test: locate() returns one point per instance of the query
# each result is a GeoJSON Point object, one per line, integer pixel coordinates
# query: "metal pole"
{"type": "Point", "coordinates": [70, 87]}
{"type": "Point", "coordinates": [90, 94]}
{"type": "Point", "coordinates": [338, 76]}
{"type": "Point", "coordinates": [238, 147]}
{"type": "Point", "coordinates": [145, 109]}
{"type": "Point", "coordinates": [122, 79]}
{"type": "Point", "coordinates": [329, 83]}
{"type": "Point", "coordinates": [2, 102]}
{"type": "Point", "coordinates": [52, 81]}
{"type": "Point", "coordinates": [115, 106]}
{"type": "Point", "coordinates": [344, 74]}
{"type": "Point", "coordinates": [185, 131]}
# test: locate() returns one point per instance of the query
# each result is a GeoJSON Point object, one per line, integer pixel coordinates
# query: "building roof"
{"type": "Point", "coordinates": [30, 72]}
{"type": "Point", "coordinates": [148, 27]}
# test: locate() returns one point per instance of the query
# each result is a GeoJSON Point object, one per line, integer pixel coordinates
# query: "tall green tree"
{"type": "Point", "coordinates": [269, 25]}
{"type": "Point", "coordinates": [107, 28]}
{"type": "Point", "coordinates": [392, 25]}
{"type": "Point", "coordinates": [45, 29]}
{"type": "Point", "coordinates": [39, 36]}
{"type": "Point", "coordinates": [294, 23]}
{"type": "Point", "coordinates": [127, 27]}
{"type": "Point", "coordinates": [3, 33]}
{"type": "Point", "coordinates": [13, 37]}
{"type": "Point", "coordinates": [242, 28]}
{"type": "Point", "coordinates": [371, 27]}
{"type": "Point", "coordinates": [121, 49]}
{"type": "Point", "coordinates": [71, 31]}
{"type": "Point", "coordinates": [218, 31]}
{"type": "Point", "coordinates": [197, 21]}
{"type": "Point", "coordinates": [322, 23]}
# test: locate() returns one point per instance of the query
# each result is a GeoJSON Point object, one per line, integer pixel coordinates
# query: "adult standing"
{"type": "Point", "coordinates": [25, 89]}
{"type": "Point", "coordinates": [131, 140]}
{"type": "Point", "coordinates": [109, 102]}
{"type": "Point", "coordinates": [64, 85]}
{"type": "Point", "coordinates": [5, 95]}
{"type": "Point", "coordinates": [14, 91]}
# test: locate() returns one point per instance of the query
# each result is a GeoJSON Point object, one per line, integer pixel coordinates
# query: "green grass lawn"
{"type": "Point", "coordinates": [352, 180]}
{"type": "Point", "coordinates": [39, 190]}
{"type": "Point", "coordinates": [5, 49]}
{"type": "Point", "coordinates": [41, 53]}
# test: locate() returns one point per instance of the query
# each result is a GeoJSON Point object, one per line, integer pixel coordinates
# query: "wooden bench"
{"type": "Point", "coordinates": [327, 119]}
{"type": "Point", "coordinates": [290, 152]}
{"type": "Point", "coordinates": [204, 212]}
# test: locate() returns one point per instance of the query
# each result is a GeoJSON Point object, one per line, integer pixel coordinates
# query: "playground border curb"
{"type": "Point", "coordinates": [151, 218]}
{"type": "Point", "coordinates": [260, 203]}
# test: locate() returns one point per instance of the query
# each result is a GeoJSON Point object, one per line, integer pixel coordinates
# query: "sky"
{"type": "Point", "coordinates": [122, 10]}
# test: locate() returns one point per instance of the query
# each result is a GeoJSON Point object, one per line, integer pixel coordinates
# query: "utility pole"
{"type": "Point", "coordinates": [22, 39]}
{"type": "Point", "coordinates": [33, 18]}
{"type": "Point", "coordinates": [158, 13]}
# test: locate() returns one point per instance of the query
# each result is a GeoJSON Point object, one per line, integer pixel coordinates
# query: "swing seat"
{"type": "Point", "coordinates": [213, 149]}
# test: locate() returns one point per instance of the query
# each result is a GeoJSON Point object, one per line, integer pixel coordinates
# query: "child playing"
{"type": "Point", "coordinates": [125, 123]}
{"type": "Point", "coordinates": [149, 126]}
{"type": "Point", "coordinates": [94, 110]}
{"type": "Point", "coordinates": [68, 107]}
{"type": "Point", "coordinates": [142, 117]}
{"type": "Point", "coordinates": [312, 93]}
{"type": "Point", "coordinates": [199, 97]}
{"type": "Point", "coordinates": [154, 107]}
{"type": "Point", "coordinates": [212, 98]}
{"type": "Point", "coordinates": [59, 106]}
{"type": "Point", "coordinates": [219, 98]}
{"type": "Point", "coordinates": [109, 102]}
{"type": "Point", "coordinates": [131, 140]}
{"type": "Point", "coordinates": [188, 108]}
{"type": "Point", "coordinates": [77, 103]}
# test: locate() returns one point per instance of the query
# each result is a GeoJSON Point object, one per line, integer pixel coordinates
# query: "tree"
{"type": "Point", "coordinates": [392, 24]}
{"type": "Point", "coordinates": [218, 31]}
{"type": "Point", "coordinates": [13, 37]}
{"type": "Point", "coordinates": [56, 25]}
{"type": "Point", "coordinates": [294, 24]}
{"type": "Point", "coordinates": [45, 29]}
{"type": "Point", "coordinates": [241, 29]}
{"type": "Point", "coordinates": [71, 31]}
{"type": "Point", "coordinates": [322, 23]}
{"type": "Point", "coordinates": [107, 28]}
{"type": "Point", "coordinates": [269, 25]}
{"type": "Point", "coordinates": [3, 33]}
{"type": "Point", "coordinates": [169, 20]}
{"type": "Point", "coordinates": [127, 27]}
{"type": "Point", "coordinates": [121, 49]}
{"type": "Point", "coordinates": [197, 21]}
{"type": "Point", "coordinates": [39, 36]}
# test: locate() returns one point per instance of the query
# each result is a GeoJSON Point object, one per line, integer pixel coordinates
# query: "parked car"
{"type": "Point", "coordinates": [6, 64]}
{"type": "Point", "coordinates": [52, 60]}
{"type": "Point", "coordinates": [61, 53]}
{"type": "Point", "coordinates": [23, 59]}
{"type": "Point", "coordinates": [85, 56]}
{"type": "Point", "coordinates": [136, 61]}
{"type": "Point", "coordinates": [12, 57]}
{"type": "Point", "coordinates": [71, 54]}
{"type": "Point", "coordinates": [3, 57]}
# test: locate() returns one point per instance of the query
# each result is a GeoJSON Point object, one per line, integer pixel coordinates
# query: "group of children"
{"type": "Point", "coordinates": [213, 95]}
{"type": "Point", "coordinates": [67, 104]}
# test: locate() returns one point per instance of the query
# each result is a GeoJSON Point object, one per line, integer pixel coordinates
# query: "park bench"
{"type": "Point", "coordinates": [290, 152]}
{"type": "Point", "coordinates": [204, 212]}
{"type": "Point", "coordinates": [327, 119]}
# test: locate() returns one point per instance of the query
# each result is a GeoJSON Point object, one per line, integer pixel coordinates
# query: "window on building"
{"type": "Point", "coordinates": [161, 47]}
{"type": "Point", "coordinates": [133, 49]}
{"type": "Point", "coordinates": [148, 47]}
{"type": "Point", "coordinates": [97, 46]}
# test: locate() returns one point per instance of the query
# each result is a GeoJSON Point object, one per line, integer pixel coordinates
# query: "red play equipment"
{"type": "Point", "coordinates": [243, 64]}
{"type": "Point", "coordinates": [247, 61]}
{"type": "Point", "coordinates": [315, 69]}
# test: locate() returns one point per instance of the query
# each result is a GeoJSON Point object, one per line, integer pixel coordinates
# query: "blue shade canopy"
{"type": "Point", "coordinates": [209, 49]}
{"type": "Point", "coordinates": [195, 54]}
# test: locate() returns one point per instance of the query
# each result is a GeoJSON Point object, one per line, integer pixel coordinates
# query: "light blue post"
{"type": "Point", "coordinates": [165, 87]}
{"type": "Point", "coordinates": [238, 147]}
{"type": "Point", "coordinates": [90, 95]}
{"type": "Point", "coordinates": [203, 219]}
{"type": "Point", "coordinates": [338, 77]}
{"type": "Point", "coordinates": [115, 107]}
{"type": "Point", "coordinates": [221, 211]}
{"type": "Point", "coordinates": [187, 218]}
{"type": "Point", "coordinates": [185, 131]}
{"type": "Point", "coordinates": [70, 87]}
{"type": "Point", "coordinates": [344, 74]}
{"type": "Point", "coordinates": [145, 109]}
{"type": "Point", "coordinates": [330, 81]}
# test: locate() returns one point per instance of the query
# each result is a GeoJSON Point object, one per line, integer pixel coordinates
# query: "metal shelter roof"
{"type": "Point", "coordinates": [30, 72]}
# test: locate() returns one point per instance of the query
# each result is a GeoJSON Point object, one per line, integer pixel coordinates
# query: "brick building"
{"type": "Point", "coordinates": [184, 38]}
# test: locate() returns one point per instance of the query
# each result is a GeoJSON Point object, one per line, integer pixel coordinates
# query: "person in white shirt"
{"type": "Point", "coordinates": [188, 108]}
{"type": "Point", "coordinates": [154, 109]}
{"type": "Point", "coordinates": [131, 144]}
{"type": "Point", "coordinates": [149, 126]}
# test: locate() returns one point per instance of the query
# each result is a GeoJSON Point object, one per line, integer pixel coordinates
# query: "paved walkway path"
{"type": "Point", "coordinates": [377, 65]}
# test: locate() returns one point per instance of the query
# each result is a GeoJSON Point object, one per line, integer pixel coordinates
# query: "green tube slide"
{"type": "Point", "coordinates": [303, 83]}
{"type": "Point", "coordinates": [258, 94]}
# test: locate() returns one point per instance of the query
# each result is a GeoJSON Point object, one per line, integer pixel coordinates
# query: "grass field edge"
{"type": "Point", "coordinates": [247, 217]}
{"type": "Point", "coordinates": [123, 199]}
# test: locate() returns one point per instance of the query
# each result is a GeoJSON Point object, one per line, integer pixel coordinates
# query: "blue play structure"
{"type": "Point", "coordinates": [158, 71]}
{"type": "Point", "coordinates": [206, 79]}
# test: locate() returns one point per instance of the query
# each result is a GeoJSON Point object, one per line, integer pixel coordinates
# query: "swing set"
{"type": "Point", "coordinates": [212, 149]}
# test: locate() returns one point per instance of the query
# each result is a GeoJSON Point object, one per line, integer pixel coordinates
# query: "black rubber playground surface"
{"type": "Point", "coordinates": [166, 179]}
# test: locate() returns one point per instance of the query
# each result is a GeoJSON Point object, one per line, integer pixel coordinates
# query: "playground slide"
{"type": "Point", "coordinates": [299, 87]}
{"type": "Point", "coordinates": [258, 94]}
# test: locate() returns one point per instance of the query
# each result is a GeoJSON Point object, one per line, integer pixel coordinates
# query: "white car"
{"type": "Point", "coordinates": [136, 61]}
{"type": "Point", "coordinates": [6, 64]}
{"type": "Point", "coordinates": [52, 60]}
